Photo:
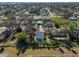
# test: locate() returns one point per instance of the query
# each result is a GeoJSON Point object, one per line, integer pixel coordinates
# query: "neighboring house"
{"type": "Point", "coordinates": [39, 22]}
{"type": "Point", "coordinates": [72, 17]}
{"type": "Point", "coordinates": [74, 34]}
{"type": "Point", "coordinates": [2, 29]}
{"type": "Point", "coordinates": [76, 14]}
{"type": "Point", "coordinates": [61, 35]}
{"type": "Point", "coordinates": [2, 11]}
{"type": "Point", "coordinates": [26, 13]}
{"type": "Point", "coordinates": [44, 12]}
{"type": "Point", "coordinates": [48, 24]}
{"type": "Point", "coordinates": [4, 32]}
{"type": "Point", "coordinates": [32, 11]}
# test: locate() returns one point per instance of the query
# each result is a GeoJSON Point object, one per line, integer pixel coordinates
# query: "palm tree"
{"type": "Point", "coordinates": [22, 42]}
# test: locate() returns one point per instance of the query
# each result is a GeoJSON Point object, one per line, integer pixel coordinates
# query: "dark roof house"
{"type": "Point", "coordinates": [60, 35]}
{"type": "Point", "coordinates": [6, 34]}
{"type": "Point", "coordinates": [74, 34]}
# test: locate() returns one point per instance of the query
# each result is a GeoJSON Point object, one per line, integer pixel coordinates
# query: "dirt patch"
{"type": "Point", "coordinates": [11, 52]}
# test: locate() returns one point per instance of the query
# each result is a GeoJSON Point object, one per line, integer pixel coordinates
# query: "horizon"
{"type": "Point", "coordinates": [39, 3]}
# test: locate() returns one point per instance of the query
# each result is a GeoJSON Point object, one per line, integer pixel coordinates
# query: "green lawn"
{"type": "Point", "coordinates": [63, 22]}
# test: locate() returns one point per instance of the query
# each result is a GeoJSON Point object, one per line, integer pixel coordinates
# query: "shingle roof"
{"type": "Point", "coordinates": [40, 35]}
{"type": "Point", "coordinates": [59, 34]}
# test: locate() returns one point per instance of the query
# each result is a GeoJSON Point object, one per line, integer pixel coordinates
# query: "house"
{"type": "Point", "coordinates": [40, 33]}
{"type": "Point", "coordinates": [76, 13]}
{"type": "Point", "coordinates": [44, 12]}
{"type": "Point", "coordinates": [74, 34]}
{"type": "Point", "coordinates": [48, 24]}
{"type": "Point", "coordinates": [2, 29]}
{"type": "Point", "coordinates": [32, 11]}
{"type": "Point", "coordinates": [72, 17]}
{"type": "Point", "coordinates": [4, 33]}
{"type": "Point", "coordinates": [39, 22]}
{"type": "Point", "coordinates": [60, 35]}
{"type": "Point", "coordinates": [25, 11]}
{"type": "Point", "coordinates": [40, 36]}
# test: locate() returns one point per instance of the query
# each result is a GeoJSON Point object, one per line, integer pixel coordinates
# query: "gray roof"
{"type": "Point", "coordinates": [40, 35]}
{"type": "Point", "coordinates": [40, 22]}
{"type": "Point", "coordinates": [59, 34]}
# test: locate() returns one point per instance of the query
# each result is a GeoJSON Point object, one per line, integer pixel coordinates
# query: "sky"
{"type": "Point", "coordinates": [39, 0]}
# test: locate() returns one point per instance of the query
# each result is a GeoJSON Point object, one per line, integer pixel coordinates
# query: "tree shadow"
{"type": "Point", "coordinates": [1, 49]}
{"type": "Point", "coordinates": [22, 47]}
{"type": "Point", "coordinates": [48, 48]}
{"type": "Point", "coordinates": [70, 48]}
{"type": "Point", "coordinates": [33, 48]}
{"type": "Point", "coordinates": [67, 47]}
{"type": "Point", "coordinates": [21, 51]}
{"type": "Point", "coordinates": [61, 50]}
{"type": "Point", "coordinates": [35, 45]}
{"type": "Point", "coordinates": [74, 51]}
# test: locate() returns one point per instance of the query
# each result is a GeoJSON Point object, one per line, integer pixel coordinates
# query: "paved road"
{"type": "Point", "coordinates": [50, 13]}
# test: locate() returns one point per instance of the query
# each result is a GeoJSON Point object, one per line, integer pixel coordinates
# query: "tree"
{"type": "Point", "coordinates": [22, 42]}
{"type": "Point", "coordinates": [18, 29]}
{"type": "Point", "coordinates": [50, 35]}
{"type": "Point", "coordinates": [71, 26]}
{"type": "Point", "coordinates": [31, 33]}
{"type": "Point", "coordinates": [35, 44]}
{"type": "Point", "coordinates": [37, 10]}
{"type": "Point", "coordinates": [57, 25]}
{"type": "Point", "coordinates": [67, 14]}
{"type": "Point", "coordinates": [47, 44]}
{"type": "Point", "coordinates": [55, 44]}
{"type": "Point", "coordinates": [77, 41]}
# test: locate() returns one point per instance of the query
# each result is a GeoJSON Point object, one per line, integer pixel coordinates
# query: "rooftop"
{"type": "Point", "coordinates": [40, 35]}
{"type": "Point", "coordinates": [72, 18]}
